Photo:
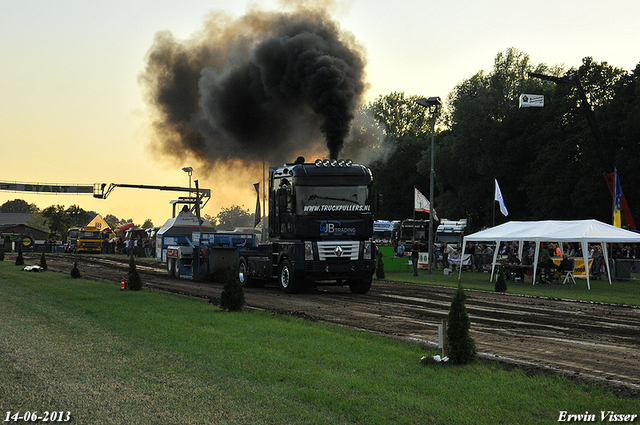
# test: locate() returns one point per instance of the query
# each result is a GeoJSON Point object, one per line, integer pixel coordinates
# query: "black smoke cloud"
{"type": "Point", "coordinates": [268, 85]}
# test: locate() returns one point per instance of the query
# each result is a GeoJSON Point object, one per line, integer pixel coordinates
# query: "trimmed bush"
{"type": "Point", "coordinates": [380, 266]}
{"type": "Point", "coordinates": [75, 272]}
{"type": "Point", "coordinates": [19, 258]}
{"type": "Point", "coordinates": [232, 296]}
{"type": "Point", "coordinates": [461, 348]}
{"type": "Point", "coordinates": [501, 281]}
{"type": "Point", "coordinates": [43, 261]}
{"type": "Point", "coordinates": [134, 283]}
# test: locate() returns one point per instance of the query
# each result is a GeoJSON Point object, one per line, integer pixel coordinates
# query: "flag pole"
{"type": "Point", "coordinates": [414, 212]}
{"type": "Point", "coordinates": [494, 202]}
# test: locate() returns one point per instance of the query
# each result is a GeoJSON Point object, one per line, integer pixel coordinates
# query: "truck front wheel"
{"type": "Point", "coordinates": [243, 275]}
{"type": "Point", "coordinates": [360, 286]}
{"type": "Point", "coordinates": [286, 278]}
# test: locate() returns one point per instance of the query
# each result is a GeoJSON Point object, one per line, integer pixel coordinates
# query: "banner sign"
{"type": "Point", "coordinates": [580, 271]}
{"type": "Point", "coordinates": [531, 101]}
{"type": "Point", "coordinates": [45, 188]}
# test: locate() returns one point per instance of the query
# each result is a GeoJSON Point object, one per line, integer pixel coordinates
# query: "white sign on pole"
{"type": "Point", "coordinates": [531, 101]}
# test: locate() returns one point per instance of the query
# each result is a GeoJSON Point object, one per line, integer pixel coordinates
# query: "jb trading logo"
{"type": "Point", "coordinates": [328, 226]}
{"type": "Point", "coordinates": [335, 227]}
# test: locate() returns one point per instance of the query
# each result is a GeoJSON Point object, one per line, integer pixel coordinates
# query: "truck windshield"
{"type": "Point", "coordinates": [334, 199]}
{"type": "Point", "coordinates": [89, 235]}
{"type": "Point", "coordinates": [420, 231]}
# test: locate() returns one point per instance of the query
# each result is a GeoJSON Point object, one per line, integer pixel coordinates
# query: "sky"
{"type": "Point", "coordinates": [72, 109]}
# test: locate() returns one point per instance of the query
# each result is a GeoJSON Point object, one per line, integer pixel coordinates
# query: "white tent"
{"type": "Point", "coordinates": [582, 231]}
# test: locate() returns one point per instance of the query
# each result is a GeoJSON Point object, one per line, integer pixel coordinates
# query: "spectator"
{"type": "Point", "coordinates": [487, 255]}
{"type": "Point", "coordinates": [415, 254]}
{"type": "Point", "coordinates": [446, 251]}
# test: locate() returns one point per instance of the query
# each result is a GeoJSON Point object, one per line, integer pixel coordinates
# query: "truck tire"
{"type": "Point", "coordinates": [176, 267]}
{"type": "Point", "coordinates": [243, 275]}
{"type": "Point", "coordinates": [170, 266]}
{"type": "Point", "coordinates": [360, 286]}
{"type": "Point", "coordinates": [288, 282]}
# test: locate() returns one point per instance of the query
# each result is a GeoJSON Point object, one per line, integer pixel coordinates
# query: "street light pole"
{"type": "Point", "coordinates": [189, 171]}
{"type": "Point", "coordinates": [435, 102]}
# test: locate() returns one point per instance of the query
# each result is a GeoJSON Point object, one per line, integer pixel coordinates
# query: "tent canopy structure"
{"type": "Point", "coordinates": [582, 231]}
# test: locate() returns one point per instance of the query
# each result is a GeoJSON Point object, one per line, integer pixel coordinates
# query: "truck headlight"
{"type": "Point", "coordinates": [308, 251]}
{"type": "Point", "coordinates": [367, 250]}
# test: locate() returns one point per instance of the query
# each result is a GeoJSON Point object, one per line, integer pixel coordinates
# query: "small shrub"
{"type": "Point", "coordinates": [43, 261]}
{"type": "Point", "coordinates": [501, 281]}
{"type": "Point", "coordinates": [380, 267]}
{"type": "Point", "coordinates": [134, 283]}
{"type": "Point", "coordinates": [19, 258]}
{"type": "Point", "coordinates": [1, 254]}
{"type": "Point", "coordinates": [232, 296]}
{"type": "Point", "coordinates": [75, 272]}
{"type": "Point", "coordinates": [461, 348]}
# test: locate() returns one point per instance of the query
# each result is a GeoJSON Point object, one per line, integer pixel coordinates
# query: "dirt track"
{"type": "Point", "coordinates": [592, 342]}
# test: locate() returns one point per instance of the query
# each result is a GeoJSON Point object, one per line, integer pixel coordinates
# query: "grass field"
{"type": "Point", "coordinates": [618, 292]}
{"type": "Point", "coordinates": [113, 357]}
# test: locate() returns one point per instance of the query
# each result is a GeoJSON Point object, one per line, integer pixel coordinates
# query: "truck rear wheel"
{"type": "Point", "coordinates": [286, 278]}
{"type": "Point", "coordinates": [360, 286]}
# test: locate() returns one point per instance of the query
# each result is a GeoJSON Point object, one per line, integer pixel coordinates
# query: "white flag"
{"type": "Point", "coordinates": [421, 203]}
{"type": "Point", "coordinates": [498, 197]}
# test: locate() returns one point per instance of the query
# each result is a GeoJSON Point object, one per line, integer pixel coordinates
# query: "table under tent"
{"type": "Point", "coordinates": [579, 231]}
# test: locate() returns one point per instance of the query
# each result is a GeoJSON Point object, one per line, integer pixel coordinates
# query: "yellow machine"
{"type": "Point", "coordinates": [89, 239]}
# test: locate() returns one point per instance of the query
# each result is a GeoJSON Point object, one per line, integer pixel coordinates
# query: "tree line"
{"type": "Point", "coordinates": [58, 219]}
{"type": "Point", "coordinates": [547, 161]}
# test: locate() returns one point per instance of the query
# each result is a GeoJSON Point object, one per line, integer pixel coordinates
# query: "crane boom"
{"type": "Point", "coordinates": [101, 190]}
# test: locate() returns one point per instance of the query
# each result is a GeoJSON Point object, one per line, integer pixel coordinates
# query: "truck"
{"type": "Point", "coordinates": [449, 231]}
{"type": "Point", "coordinates": [89, 240]}
{"type": "Point", "coordinates": [72, 240]}
{"type": "Point", "coordinates": [385, 231]}
{"type": "Point", "coordinates": [320, 228]}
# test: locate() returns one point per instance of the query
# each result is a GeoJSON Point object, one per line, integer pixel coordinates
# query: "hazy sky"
{"type": "Point", "coordinates": [72, 111]}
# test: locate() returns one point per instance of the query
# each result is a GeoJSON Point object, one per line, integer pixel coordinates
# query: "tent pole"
{"type": "Point", "coordinates": [495, 258]}
{"type": "Point", "coordinates": [464, 245]}
{"type": "Point", "coordinates": [535, 261]}
{"type": "Point", "coordinates": [585, 257]}
{"type": "Point", "coordinates": [603, 245]}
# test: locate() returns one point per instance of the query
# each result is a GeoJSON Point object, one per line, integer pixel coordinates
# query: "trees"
{"type": "Point", "coordinates": [18, 206]}
{"type": "Point", "coordinates": [400, 114]}
{"type": "Point", "coordinates": [546, 159]}
{"type": "Point", "coordinates": [232, 217]}
{"type": "Point", "coordinates": [57, 219]}
{"type": "Point", "coordinates": [407, 131]}
{"type": "Point", "coordinates": [77, 217]}
{"type": "Point", "coordinates": [461, 347]}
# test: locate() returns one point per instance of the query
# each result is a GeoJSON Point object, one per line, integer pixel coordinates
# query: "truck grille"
{"type": "Point", "coordinates": [347, 250]}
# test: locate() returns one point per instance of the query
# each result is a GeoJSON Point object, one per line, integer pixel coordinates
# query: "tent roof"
{"type": "Point", "coordinates": [556, 230]}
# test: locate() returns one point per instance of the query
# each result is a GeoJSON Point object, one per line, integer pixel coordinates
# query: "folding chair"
{"type": "Point", "coordinates": [568, 274]}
